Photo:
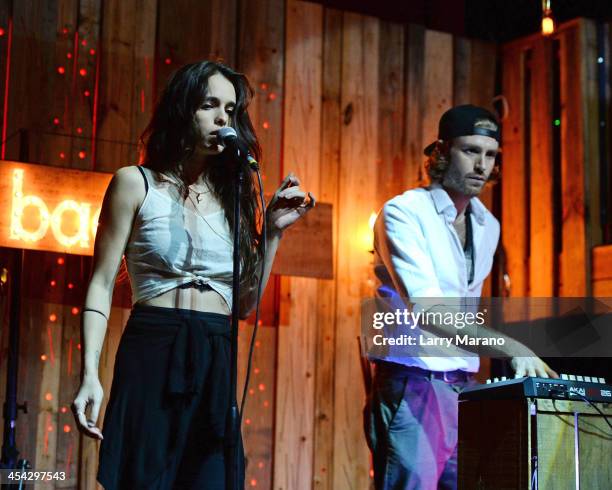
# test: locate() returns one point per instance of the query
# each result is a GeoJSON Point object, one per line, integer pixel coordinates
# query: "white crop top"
{"type": "Point", "coordinates": [172, 246]}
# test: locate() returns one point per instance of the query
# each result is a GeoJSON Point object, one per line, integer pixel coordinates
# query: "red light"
{"type": "Point", "coordinates": [66, 428]}
{"type": "Point", "coordinates": [83, 42]}
{"type": "Point", "coordinates": [62, 155]}
{"type": "Point", "coordinates": [256, 370]}
{"type": "Point", "coordinates": [79, 130]}
{"type": "Point", "coordinates": [1, 31]}
{"type": "Point", "coordinates": [261, 387]}
{"type": "Point", "coordinates": [266, 125]}
{"type": "Point", "coordinates": [81, 154]}
{"type": "Point", "coordinates": [82, 72]}
{"type": "Point", "coordinates": [50, 428]}
{"type": "Point", "coordinates": [167, 61]}
{"type": "Point", "coordinates": [79, 346]}
{"type": "Point", "coordinates": [272, 96]}
{"type": "Point", "coordinates": [60, 260]}
{"type": "Point", "coordinates": [264, 86]}
{"type": "Point", "coordinates": [86, 93]}
{"type": "Point", "coordinates": [266, 403]}
{"type": "Point", "coordinates": [75, 311]}
{"type": "Point", "coordinates": [52, 317]}
{"type": "Point", "coordinates": [65, 30]}
{"type": "Point", "coordinates": [53, 283]}
{"type": "Point", "coordinates": [92, 51]}
{"type": "Point", "coordinates": [257, 343]}
{"type": "Point", "coordinates": [253, 482]}
{"type": "Point", "coordinates": [70, 285]}
{"type": "Point", "coordinates": [260, 464]}
{"type": "Point", "coordinates": [48, 396]}
{"type": "Point", "coordinates": [69, 56]}
{"type": "Point", "coordinates": [251, 391]}
{"type": "Point", "coordinates": [247, 421]}
{"type": "Point", "coordinates": [63, 409]}
{"type": "Point", "coordinates": [56, 120]}
{"type": "Point", "coordinates": [61, 70]}
{"type": "Point", "coordinates": [43, 357]}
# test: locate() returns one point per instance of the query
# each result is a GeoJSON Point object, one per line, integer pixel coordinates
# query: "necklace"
{"type": "Point", "coordinates": [198, 195]}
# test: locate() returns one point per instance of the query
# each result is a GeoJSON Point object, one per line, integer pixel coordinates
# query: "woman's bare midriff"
{"type": "Point", "coordinates": [192, 298]}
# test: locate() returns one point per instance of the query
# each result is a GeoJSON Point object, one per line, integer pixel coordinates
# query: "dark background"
{"type": "Point", "coordinates": [491, 20]}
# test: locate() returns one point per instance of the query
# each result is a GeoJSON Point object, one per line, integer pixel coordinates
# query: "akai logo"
{"type": "Point", "coordinates": [76, 216]}
{"type": "Point", "coordinates": [575, 389]}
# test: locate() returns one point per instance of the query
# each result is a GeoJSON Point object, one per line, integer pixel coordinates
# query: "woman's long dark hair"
{"type": "Point", "coordinates": [171, 137]}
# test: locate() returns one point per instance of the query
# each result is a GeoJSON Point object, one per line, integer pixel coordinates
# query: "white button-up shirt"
{"type": "Point", "coordinates": [418, 254]}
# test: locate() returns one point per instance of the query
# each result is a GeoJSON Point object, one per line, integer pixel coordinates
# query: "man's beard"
{"type": "Point", "coordinates": [455, 181]}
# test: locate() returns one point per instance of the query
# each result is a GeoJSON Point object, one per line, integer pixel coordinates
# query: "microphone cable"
{"type": "Point", "coordinates": [255, 166]}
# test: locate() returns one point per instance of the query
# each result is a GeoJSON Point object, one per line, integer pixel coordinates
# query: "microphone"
{"type": "Point", "coordinates": [229, 138]}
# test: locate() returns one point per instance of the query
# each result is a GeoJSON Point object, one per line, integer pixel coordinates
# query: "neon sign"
{"type": "Point", "coordinates": [50, 208]}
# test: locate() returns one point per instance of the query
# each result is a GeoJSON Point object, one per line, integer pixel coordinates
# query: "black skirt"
{"type": "Point", "coordinates": [165, 420]}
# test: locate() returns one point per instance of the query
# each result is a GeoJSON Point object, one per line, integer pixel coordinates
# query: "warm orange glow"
{"type": "Point", "coordinates": [48, 396]}
{"type": "Point", "coordinates": [67, 428]}
{"type": "Point", "coordinates": [52, 317]}
{"type": "Point", "coordinates": [548, 26]}
{"type": "Point", "coordinates": [43, 357]}
{"type": "Point", "coordinates": [75, 311]}
{"type": "Point", "coordinates": [39, 220]}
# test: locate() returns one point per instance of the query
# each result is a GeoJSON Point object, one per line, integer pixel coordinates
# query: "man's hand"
{"type": "Point", "coordinates": [532, 366]}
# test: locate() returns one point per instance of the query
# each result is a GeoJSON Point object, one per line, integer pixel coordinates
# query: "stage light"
{"type": "Point", "coordinates": [61, 70]}
{"type": "Point", "coordinates": [92, 51]}
{"type": "Point", "coordinates": [74, 311]}
{"type": "Point", "coordinates": [548, 23]}
{"type": "Point", "coordinates": [168, 61]}
{"type": "Point", "coordinates": [82, 72]}
{"type": "Point", "coordinates": [86, 93]}
{"type": "Point", "coordinates": [52, 317]}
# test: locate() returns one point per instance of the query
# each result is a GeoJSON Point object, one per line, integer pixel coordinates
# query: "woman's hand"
{"type": "Point", "coordinates": [288, 204]}
{"type": "Point", "coordinates": [90, 393]}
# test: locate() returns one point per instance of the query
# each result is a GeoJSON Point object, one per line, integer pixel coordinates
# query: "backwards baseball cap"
{"type": "Point", "coordinates": [465, 120]}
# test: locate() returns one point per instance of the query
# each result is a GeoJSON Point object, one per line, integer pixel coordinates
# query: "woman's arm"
{"type": "Point", "coordinates": [288, 204]}
{"type": "Point", "coordinates": [124, 194]}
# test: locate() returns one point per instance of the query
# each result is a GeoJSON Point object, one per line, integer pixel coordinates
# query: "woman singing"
{"type": "Point", "coordinates": [171, 217]}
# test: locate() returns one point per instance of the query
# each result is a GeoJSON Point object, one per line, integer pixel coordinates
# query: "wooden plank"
{"type": "Point", "coordinates": [462, 70]}
{"type": "Point", "coordinates": [6, 24]}
{"type": "Point", "coordinates": [483, 61]}
{"type": "Point", "coordinates": [306, 247]}
{"type": "Point", "coordinates": [204, 34]}
{"type": "Point", "coordinates": [573, 259]}
{"type": "Point", "coordinates": [326, 308]}
{"type": "Point", "coordinates": [260, 57]}
{"type": "Point", "coordinates": [258, 418]}
{"type": "Point", "coordinates": [293, 450]}
{"type": "Point", "coordinates": [437, 82]}
{"type": "Point", "coordinates": [357, 196]}
{"type": "Point", "coordinates": [514, 232]}
{"type": "Point", "coordinates": [602, 263]}
{"type": "Point", "coordinates": [589, 80]}
{"type": "Point", "coordinates": [85, 76]}
{"type": "Point", "coordinates": [415, 105]}
{"type": "Point", "coordinates": [127, 46]}
{"type": "Point", "coordinates": [392, 170]}
{"type": "Point", "coordinates": [541, 260]}
{"type": "Point", "coordinates": [34, 70]}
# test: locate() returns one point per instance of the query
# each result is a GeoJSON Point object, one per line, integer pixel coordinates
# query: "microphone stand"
{"type": "Point", "coordinates": [232, 429]}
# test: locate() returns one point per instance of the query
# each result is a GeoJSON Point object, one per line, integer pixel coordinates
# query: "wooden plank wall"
{"type": "Point", "coordinates": [346, 101]}
{"type": "Point", "coordinates": [550, 224]}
